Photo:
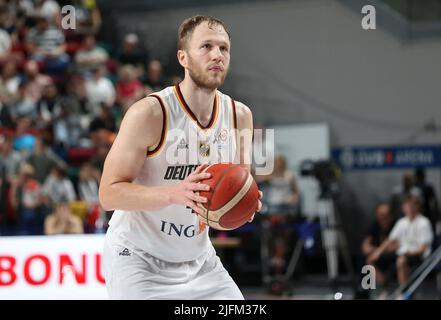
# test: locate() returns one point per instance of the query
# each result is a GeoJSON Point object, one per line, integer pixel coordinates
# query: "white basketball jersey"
{"type": "Point", "coordinates": [174, 233]}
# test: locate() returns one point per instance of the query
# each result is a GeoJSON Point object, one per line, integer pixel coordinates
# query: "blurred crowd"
{"type": "Point", "coordinates": [63, 94]}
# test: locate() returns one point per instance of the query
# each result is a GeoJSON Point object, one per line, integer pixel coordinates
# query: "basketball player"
{"type": "Point", "coordinates": [155, 247]}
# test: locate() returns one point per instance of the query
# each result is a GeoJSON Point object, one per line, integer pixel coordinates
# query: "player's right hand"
{"type": "Point", "coordinates": [187, 192]}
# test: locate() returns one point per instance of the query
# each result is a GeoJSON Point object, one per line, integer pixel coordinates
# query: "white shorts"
{"type": "Point", "coordinates": [140, 276]}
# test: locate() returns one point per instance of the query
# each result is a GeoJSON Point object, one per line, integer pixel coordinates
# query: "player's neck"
{"type": "Point", "coordinates": [199, 100]}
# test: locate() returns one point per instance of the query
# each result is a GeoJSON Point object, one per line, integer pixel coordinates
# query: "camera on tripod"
{"type": "Point", "coordinates": [327, 174]}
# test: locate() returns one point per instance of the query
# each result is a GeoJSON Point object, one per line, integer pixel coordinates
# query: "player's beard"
{"type": "Point", "coordinates": [204, 78]}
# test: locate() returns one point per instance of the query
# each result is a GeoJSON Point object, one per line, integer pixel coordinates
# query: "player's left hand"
{"type": "Point", "coordinates": [259, 206]}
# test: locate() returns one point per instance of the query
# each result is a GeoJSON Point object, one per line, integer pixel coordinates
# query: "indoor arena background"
{"type": "Point", "coordinates": [354, 103]}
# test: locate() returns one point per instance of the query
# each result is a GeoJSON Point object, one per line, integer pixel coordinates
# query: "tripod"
{"type": "Point", "coordinates": [333, 237]}
{"type": "Point", "coordinates": [333, 240]}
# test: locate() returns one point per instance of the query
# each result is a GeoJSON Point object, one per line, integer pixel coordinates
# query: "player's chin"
{"type": "Point", "coordinates": [217, 78]}
{"type": "Point", "coordinates": [214, 84]}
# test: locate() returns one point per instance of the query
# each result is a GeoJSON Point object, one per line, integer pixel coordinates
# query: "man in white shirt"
{"type": "Point", "coordinates": [100, 89]}
{"type": "Point", "coordinates": [90, 55]}
{"type": "Point", "coordinates": [412, 236]}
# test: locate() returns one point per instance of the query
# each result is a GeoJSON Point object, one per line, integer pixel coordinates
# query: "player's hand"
{"type": "Point", "coordinates": [259, 206]}
{"type": "Point", "coordinates": [187, 192]}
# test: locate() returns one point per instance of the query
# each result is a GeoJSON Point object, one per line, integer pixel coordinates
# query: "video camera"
{"type": "Point", "coordinates": [327, 174]}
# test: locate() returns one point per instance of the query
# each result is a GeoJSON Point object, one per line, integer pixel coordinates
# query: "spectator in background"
{"type": "Point", "coordinates": [43, 159]}
{"type": "Point", "coordinates": [411, 239]}
{"type": "Point", "coordinates": [77, 96]}
{"type": "Point", "coordinates": [154, 80]}
{"type": "Point", "coordinates": [46, 44]}
{"type": "Point", "coordinates": [7, 31]}
{"type": "Point", "coordinates": [25, 136]}
{"type": "Point", "coordinates": [57, 187]}
{"type": "Point", "coordinates": [17, 31]}
{"type": "Point", "coordinates": [90, 56]}
{"type": "Point", "coordinates": [430, 206]}
{"type": "Point", "coordinates": [10, 159]}
{"type": "Point", "coordinates": [10, 79]}
{"type": "Point", "coordinates": [25, 8]}
{"type": "Point", "coordinates": [100, 90]}
{"type": "Point", "coordinates": [26, 198]}
{"type": "Point", "coordinates": [377, 234]}
{"type": "Point", "coordinates": [49, 9]}
{"type": "Point", "coordinates": [23, 105]}
{"type": "Point", "coordinates": [5, 44]}
{"type": "Point", "coordinates": [34, 81]}
{"type": "Point", "coordinates": [88, 184]}
{"type": "Point", "coordinates": [80, 111]}
{"type": "Point", "coordinates": [49, 107]}
{"type": "Point", "coordinates": [7, 16]}
{"type": "Point", "coordinates": [132, 53]}
{"type": "Point", "coordinates": [6, 110]}
{"type": "Point", "coordinates": [281, 188]}
{"type": "Point", "coordinates": [103, 124]}
{"type": "Point", "coordinates": [399, 192]}
{"type": "Point", "coordinates": [129, 89]}
{"type": "Point", "coordinates": [67, 131]}
{"type": "Point", "coordinates": [10, 162]}
{"type": "Point", "coordinates": [97, 161]}
{"type": "Point", "coordinates": [62, 220]}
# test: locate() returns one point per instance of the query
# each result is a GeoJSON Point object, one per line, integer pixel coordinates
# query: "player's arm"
{"type": "Point", "coordinates": [141, 128]}
{"type": "Point", "coordinates": [245, 139]}
{"type": "Point", "coordinates": [244, 134]}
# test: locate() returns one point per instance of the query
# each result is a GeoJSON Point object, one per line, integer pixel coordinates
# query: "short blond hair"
{"type": "Point", "coordinates": [188, 25]}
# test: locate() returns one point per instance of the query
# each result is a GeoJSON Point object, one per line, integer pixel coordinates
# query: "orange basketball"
{"type": "Point", "coordinates": [232, 198]}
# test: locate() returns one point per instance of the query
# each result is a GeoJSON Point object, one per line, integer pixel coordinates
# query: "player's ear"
{"type": "Point", "coordinates": [182, 58]}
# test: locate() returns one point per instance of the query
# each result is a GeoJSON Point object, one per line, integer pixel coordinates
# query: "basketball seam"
{"type": "Point", "coordinates": [218, 221]}
{"type": "Point", "coordinates": [214, 189]}
{"type": "Point", "coordinates": [238, 197]}
{"type": "Point", "coordinates": [249, 207]}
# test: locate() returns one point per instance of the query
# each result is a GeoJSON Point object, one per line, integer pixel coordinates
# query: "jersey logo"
{"type": "Point", "coordinates": [221, 139]}
{"type": "Point", "coordinates": [183, 144]}
{"type": "Point", "coordinates": [179, 172]}
{"type": "Point", "coordinates": [179, 230]}
{"type": "Point", "coordinates": [125, 252]}
{"type": "Point", "coordinates": [204, 149]}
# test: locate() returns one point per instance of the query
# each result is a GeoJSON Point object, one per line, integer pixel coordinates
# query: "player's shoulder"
{"type": "Point", "coordinates": [148, 107]}
{"type": "Point", "coordinates": [243, 112]}
{"type": "Point", "coordinates": [143, 121]}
